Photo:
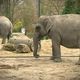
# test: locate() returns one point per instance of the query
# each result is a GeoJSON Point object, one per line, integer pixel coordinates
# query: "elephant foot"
{"type": "Point", "coordinates": [36, 56]}
{"type": "Point", "coordinates": [56, 59]}
{"type": "Point", "coordinates": [78, 63]}
{"type": "Point", "coordinates": [3, 42]}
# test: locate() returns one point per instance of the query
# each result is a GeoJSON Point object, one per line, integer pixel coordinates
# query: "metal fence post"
{"type": "Point", "coordinates": [38, 7]}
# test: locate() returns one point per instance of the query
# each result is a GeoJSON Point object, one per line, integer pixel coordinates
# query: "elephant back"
{"type": "Point", "coordinates": [5, 25]}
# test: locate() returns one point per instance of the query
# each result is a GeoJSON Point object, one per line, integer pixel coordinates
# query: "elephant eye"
{"type": "Point", "coordinates": [38, 28]}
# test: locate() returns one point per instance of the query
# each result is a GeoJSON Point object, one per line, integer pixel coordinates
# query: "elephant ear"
{"type": "Point", "coordinates": [47, 24]}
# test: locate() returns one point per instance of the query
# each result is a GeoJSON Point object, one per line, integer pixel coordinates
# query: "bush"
{"type": "Point", "coordinates": [77, 10]}
{"type": "Point", "coordinates": [17, 26]}
{"type": "Point", "coordinates": [69, 7]}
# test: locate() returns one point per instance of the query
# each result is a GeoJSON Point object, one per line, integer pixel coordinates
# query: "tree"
{"type": "Point", "coordinates": [51, 7]}
{"type": "Point", "coordinates": [72, 6]}
{"type": "Point", "coordinates": [7, 8]}
{"type": "Point", "coordinates": [77, 4]}
{"type": "Point", "coordinates": [38, 7]}
{"type": "Point", "coordinates": [69, 7]}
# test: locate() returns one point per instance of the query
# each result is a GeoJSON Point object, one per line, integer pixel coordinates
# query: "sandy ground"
{"type": "Point", "coordinates": [43, 68]}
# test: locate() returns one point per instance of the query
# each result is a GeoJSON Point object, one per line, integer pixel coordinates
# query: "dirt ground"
{"type": "Point", "coordinates": [29, 68]}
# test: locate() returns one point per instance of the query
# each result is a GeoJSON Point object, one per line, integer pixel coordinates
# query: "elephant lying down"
{"type": "Point", "coordinates": [62, 29]}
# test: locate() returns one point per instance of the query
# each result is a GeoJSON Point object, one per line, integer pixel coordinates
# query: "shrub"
{"type": "Point", "coordinates": [69, 7]}
{"type": "Point", "coordinates": [17, 26]}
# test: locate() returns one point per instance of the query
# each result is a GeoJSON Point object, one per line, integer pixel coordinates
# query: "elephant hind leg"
{"type": "Point", "coordinates": [78, 63]}
{"type": "Point", "coordinates": [3, 40]}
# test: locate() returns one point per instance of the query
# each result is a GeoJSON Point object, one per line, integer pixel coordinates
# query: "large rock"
{"type": "Point", "coordinates": [22, 48]}
{"type": "Point", "coordinates": [19, 38]}
{"type": "Point", "coordinates": [20, 43]}
{"type": "Point", "coordinates": [9, 47]}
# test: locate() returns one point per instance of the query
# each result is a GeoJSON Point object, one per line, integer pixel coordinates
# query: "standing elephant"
{"type": "Point", "coordinates": [62, 29]}
{"type": "Point", "coordinates": [5, 28]}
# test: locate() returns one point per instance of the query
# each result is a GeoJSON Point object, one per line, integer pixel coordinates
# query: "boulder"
{"type": "Point", "coordinates": [8, 47]}
{"type": "Point", "coordinates": [20, 40]}
{"type": "Point", "coordinates": [22, 48]}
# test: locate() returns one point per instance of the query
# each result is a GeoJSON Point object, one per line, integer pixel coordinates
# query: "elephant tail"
{"type": "Point", "coordinates": [10, 31]}
{"type": "Point", "coordinates": [9, 35]}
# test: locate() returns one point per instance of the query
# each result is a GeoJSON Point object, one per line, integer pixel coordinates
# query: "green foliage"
{"type": "Point", "coordinates": [17, 26]}
{"type": "Point", "coordinates": [77, 10]}
{"type": "Point", "coordinates": [69, 7]}
{"type": "Point", "coordinates": [77, 4]}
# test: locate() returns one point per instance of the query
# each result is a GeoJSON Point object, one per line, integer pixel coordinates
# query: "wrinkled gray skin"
{"type": "Point", "coordinates": [5, 28]}
{"type": "Point", "coordinates": [62, 29]}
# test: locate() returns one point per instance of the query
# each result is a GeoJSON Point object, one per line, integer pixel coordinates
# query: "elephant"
{"type": "Point", "coordinates": [5, 28]}
{"type": "Point", "coordinates": [61, 29]}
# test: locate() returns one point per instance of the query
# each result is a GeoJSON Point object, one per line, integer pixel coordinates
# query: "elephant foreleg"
{"type": "Point", "coordinates": [56, 53]}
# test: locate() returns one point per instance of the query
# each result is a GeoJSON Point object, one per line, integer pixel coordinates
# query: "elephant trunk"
{"type": "Point", "coordinates": [35, 44]}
